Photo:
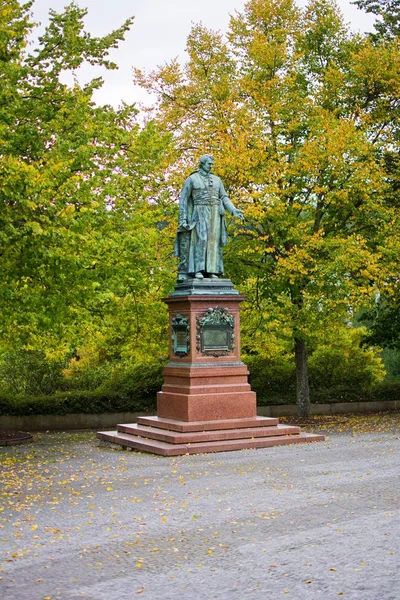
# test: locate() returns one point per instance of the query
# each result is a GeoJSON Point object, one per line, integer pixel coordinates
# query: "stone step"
{"type": "Point", "coordinates": [174, 437]}
{"type": "Point", "coordinates": [166, 449]}
{"type": "Point", "coordinates": [186, 426]}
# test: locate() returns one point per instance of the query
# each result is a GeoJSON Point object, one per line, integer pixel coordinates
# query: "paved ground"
{"type": "Point", "coordinates": [80, 520]}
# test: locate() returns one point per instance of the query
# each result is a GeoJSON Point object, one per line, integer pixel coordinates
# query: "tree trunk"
{"type": "Point", "coordinates": [302, 386]}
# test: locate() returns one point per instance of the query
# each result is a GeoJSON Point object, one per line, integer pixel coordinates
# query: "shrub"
{"type": "Point", "coordinates": [271, 377]}
{"type": "Point", "coordinates": [128, 388]}
{"type": "Point", "coordinates": [63, 403]}
{"type": "Point", "coordinates": [30, 372]}
{"type": "Point", "coordinates": [87, 369]}
{"type": "Point", "coordinates": [338, 394]}
{"type": "Point", "coordinates": [387, 391]}
{"type": "Point", "coordinates": [391, 360]}
{"type": "Point", "coordinates": [139, 380]}
{"type": "Point", "coordinates": [342, 363]}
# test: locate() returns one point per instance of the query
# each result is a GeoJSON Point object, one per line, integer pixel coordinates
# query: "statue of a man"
{"type": "Point", "coordinates": [202, 227]}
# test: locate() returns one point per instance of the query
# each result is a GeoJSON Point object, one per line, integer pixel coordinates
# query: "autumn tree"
{"type": "Point", "coordinates": [299, 113]}
{"type": "Point", "coordinates": [384, 316]}
{"type": "Point", "coordinates": [80, 192]}
{"type": "Point", "coordinates": [384, 322]}
{"type": "Point", "coordinates": [387, 26]}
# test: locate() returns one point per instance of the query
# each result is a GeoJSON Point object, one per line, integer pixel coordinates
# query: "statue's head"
{"type": "Point", "coordinates": [206, 158]}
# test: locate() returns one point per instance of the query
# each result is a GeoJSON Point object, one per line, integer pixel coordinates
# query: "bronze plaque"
{"type": "Point", "coordinates": [215, 332]}
{"type": "Point", "coordinates": [180, 335]}
{"type": "Point", "coordinates": [216, 337]}
{"type": "Point", "coordinates": [181, 340]}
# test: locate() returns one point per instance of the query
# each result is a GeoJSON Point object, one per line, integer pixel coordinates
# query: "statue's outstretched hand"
{"type": "Point", "coordinates": [238, 214]}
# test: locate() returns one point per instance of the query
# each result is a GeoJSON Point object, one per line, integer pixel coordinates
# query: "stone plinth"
{"type": "Point", "coordinates": [206, 403]}
{"type": "Point", "coordinates": [205, 380]}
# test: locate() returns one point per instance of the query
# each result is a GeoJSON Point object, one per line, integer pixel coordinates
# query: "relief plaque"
{"type": "Point", "coordinates": [215, 332]}
{"type": "Point", "coordinates": [180, 335]}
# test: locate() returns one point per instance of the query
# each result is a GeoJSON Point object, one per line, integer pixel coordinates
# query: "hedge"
{"type": "Point", "coordinates": [382, 391]}
{"type": "Point", "coordinates": [63, 403]}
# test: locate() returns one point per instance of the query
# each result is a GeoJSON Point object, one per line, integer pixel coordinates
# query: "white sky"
{"type": "Point", "coordinates": [158, 34]}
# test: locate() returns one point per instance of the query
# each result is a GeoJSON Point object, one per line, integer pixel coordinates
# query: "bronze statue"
{"type": "Point", "coordinates": [202, 228]}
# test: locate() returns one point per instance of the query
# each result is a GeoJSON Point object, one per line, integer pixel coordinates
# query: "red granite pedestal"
{"type": "Point", "coordinates": [206, 403]}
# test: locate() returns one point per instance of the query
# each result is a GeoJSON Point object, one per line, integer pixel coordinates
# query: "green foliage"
{"type": "Point", "coordinates": [338, 393]}
{"type": "Point", "coordinates": [391, 360]}
{"type": "Point", "coordinates": [340, 360]}
{"type": "Point", "coordinates": [300, 114]}
{"type": "Point", "coordinates": [86, 371]}
{"type": "Point", "coordinates": [383, 321]}
{"type": "Point", "coordinates": [63, 403]}
{"type": "Point", "coordinates": [34, 386]}
{"type": "Point", "coordinates": [92, 402]}
{"type": "Point", "coordinates": [92, 369]}
{"type": "Point", "coordinates": [128, 388]}
{"type": "Point", "coordinates": [139, 380]}
{"type": "Point", "coordinates": [303, 118]}
{"type": "Point", "coordinates": [340, 369]}
{"type": "Point", "coordinates": [30, 372]}
{"type": "Point", "coordinates": [388, 12]}
{"type": "Point", "coordinates": [387, 391]}
{"type": "Point", "coordinates": [271, 377]}
{"type": "Point", "coordinates": [80, 193]}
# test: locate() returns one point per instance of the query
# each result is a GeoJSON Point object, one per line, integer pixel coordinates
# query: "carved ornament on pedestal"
{"type": "Point", "coordinates": [180, 335]}
{"type": "Point", "coordinates": [215, 332]}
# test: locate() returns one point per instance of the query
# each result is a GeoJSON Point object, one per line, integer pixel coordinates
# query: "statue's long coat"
{"type": "Point", "coordinates": [202, 205]}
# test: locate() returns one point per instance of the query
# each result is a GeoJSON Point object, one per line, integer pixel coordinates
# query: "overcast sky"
{"type": "Point", "coordinates": [159, 34]}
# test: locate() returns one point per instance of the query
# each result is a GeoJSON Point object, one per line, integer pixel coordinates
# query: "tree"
{"type": "Point", "coordinates": [383, 321]}
{"type": "Point", "coordinates": [384, 317]}
{"type": "Point", "coordinates": [77, 194]}
{"type": "Point", "coordinates": [299, 113]}
{"type": "Point", "coordinates": [388, 12]}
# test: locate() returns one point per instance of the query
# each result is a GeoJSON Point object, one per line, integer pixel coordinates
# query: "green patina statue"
{"type": "Point", "coordinates": [202, 227]}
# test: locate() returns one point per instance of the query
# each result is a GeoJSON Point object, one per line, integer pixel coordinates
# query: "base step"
{"type": "Point", "coordinates": [168, 449]}
{"type": "Point", "coordinates": [186, 426]}
{"type": "Point", "coordinates": [174, 437]}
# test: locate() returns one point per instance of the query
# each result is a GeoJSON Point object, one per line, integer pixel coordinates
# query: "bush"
{"type": "Point", "coordinates": [381, 392]}
{"type": "Point", "coordinates": [387, 391]}
{"type": "Point", "coordinates": [391, 360]}
{"type": "Point", "coordinates": [346, 366]}
{"type": "Point", "coordinates": [139, 380]}
{"type": "Point", "coordinates": [269, 378]}
{"type": "Point", "coordinates": [131, 388]}
{"type": "Point", "coordinates": [338, 394]}
{"type": "Point", "coordinates": [63, 403]}
{"type": "Point", "coordinates": [88, 369]}
{"type": "Point", "coordinates": [349, 368]}
{"type": "Point", "coordinates": [30, 372]}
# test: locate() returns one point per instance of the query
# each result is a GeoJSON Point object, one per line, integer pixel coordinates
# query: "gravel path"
{"type": "Point", "coordinates": [81, 520]}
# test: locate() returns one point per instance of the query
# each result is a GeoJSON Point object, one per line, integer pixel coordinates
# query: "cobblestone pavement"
{"type": "Point", "coordinates": [82, 520]}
